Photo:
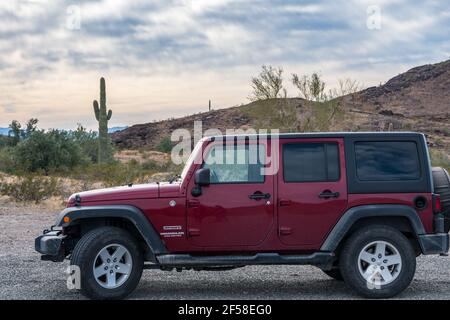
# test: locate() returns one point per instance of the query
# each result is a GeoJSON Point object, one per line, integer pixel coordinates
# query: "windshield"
{"type": "Point", "coordinates": [191, 158]}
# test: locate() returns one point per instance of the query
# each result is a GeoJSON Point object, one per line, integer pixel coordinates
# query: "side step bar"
{"type": "Point", "coordinates": [323, 260]}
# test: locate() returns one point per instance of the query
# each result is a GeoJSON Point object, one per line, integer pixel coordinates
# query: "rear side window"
{"type": "Point", "coordinates": [310, 162]}
{"type": "Point", "coordinates": [387, 160]}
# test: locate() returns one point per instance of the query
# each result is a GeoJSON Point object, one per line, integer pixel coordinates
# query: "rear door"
{"type": "Point", "coordinates": [312, 190]}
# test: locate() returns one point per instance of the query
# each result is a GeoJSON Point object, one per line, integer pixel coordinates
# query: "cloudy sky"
{"type": "Point", "coordinates": [167, 58]}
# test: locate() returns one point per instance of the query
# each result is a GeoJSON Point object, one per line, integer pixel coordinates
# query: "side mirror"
{"type": "Point", "coordinates": [202, 177]}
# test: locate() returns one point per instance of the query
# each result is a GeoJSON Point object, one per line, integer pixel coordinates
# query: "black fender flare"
{"type": "Point", "coordinates": [352, 215]}
{"type": "Point", "coordinates": [130, 213]}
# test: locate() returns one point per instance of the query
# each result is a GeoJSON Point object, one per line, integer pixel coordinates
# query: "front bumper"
{"type": "Point", "coordinates": [437, 243]}
{"type": "Point", "coordinates": [51, 245]}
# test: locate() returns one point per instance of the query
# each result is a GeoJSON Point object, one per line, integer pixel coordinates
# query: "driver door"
{"type": "Point", "coordinates": [236, 209]}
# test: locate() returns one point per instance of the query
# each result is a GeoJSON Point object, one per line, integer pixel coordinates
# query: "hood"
{"type": "Point", "coordinates": [139, 191]}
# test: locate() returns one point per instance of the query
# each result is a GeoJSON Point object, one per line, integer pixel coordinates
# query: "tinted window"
{"type": "Point", "coordinates": [387, 160]}
{"type": "Point", "coordinates": [308, 162]}
{"type": "Point", "coordinates": [236, 163]}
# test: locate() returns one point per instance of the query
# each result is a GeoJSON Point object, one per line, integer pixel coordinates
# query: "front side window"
{"type": "Point", "coordinates": [310, 162]}
{"type": "Point", "coordinates": [236, 163]}
{"type": "Point", "coordinates": [387, 160]}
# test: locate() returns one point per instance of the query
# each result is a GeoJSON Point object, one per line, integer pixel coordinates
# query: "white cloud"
{"type": "Point", "coordinates": [166, 58]}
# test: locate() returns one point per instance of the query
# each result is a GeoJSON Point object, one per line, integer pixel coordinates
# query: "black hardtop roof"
{"type": "Point", "coordinates": [377, 135]}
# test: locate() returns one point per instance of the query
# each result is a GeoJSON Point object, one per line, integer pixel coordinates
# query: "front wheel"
{"type": "Point", "coordinates": [110, 263]}
{"type": "Point", "coordinates": [378, 262]}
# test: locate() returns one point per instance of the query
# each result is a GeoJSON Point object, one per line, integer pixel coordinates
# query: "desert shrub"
{"type": "Point", "coordinates": [310, 87]}
{"type": "Point", "coordinates": [88, 141]}
{"type": "Point", "coordinates": [111, 174]}
{"type": "Point", "coordinates": [5, 141]}
{"type": "Point", "coordinates": [7, 163]}
{"type": "Point", "coordinates": [268, 84]}
{"type": "Point", "coordinates": [48, 151]}
{"type": "Point", "coordinates": [149, 165]}
{"type": "Point", "coordinates": [440, 159]}
{"type": "Point", "coordinates": [31, 188]}
{"type": "Point", "coordinates": [165, 145]}
{"type": "Point", "coordinates": [118, 173]}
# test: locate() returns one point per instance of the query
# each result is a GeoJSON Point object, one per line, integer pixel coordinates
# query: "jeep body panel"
{"type": "Point", "coordinates": [130, 192]}
{"type": "Point", "coordinates": [132, 214]}
{"type": "Point", "coordinates": [425, 215]}
{"type": "Point", "coordinates": [224, 217]}
{"type": "Point", "coordinates": [304, 217]}
{"type": "Point", "coordinates": [354, 214]}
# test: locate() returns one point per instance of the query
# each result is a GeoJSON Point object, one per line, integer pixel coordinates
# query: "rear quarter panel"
{"type": "Point", "coordinates": [425, 215]}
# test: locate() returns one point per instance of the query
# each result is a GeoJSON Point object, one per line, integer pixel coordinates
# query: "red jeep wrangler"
{"type": "Point", "coordinates": [359, 206]}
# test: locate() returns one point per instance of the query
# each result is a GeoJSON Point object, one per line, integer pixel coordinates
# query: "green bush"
{"type": "Point", "coordinates": [7, 163]}
{"type": "Point", "coordinates": [31, 188]}
{"type": "Point", "coordinates": [165, 145]}
{"type": "Point", "coordinates": [5, 141]}
{"type": "Point", "coordinates": [48, 151]}
{"type": "Point", "coordinates": [88, 141]}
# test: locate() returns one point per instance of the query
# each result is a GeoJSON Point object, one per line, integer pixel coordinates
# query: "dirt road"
{"type": "Point", "coordinates": [24, 276]}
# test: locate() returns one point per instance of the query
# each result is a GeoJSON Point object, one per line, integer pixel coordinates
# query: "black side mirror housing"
{"type": "Point", "coordinates": [202, 177]}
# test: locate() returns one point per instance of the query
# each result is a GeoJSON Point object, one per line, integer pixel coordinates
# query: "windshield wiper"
{"type": "Point", "coordinates": [175, 177]}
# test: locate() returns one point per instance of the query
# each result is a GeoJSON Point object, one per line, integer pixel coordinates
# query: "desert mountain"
{"type": "Point", "coordinates": [417, 100]}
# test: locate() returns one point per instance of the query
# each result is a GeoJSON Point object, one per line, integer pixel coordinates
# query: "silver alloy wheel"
{"type": "Point", "coordinates": [112, 266]}
{"type": "Point", "coordinates": [380, 263]}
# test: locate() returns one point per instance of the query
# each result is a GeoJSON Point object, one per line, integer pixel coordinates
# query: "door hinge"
{"type": "Point", "coordinates": [193, 232]}
{"type": "Point", "coordinates": [284, 203]}
{"type": "Point", "coordinates": [193, 203]}
{"type": "Point", "coordinates": [284, 231]}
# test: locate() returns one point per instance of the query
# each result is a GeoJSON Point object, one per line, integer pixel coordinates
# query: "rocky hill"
{"type": "Point", "coordinates": [417, 100]}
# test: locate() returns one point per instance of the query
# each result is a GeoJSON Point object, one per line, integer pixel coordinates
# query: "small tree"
{"type": "Point", "coordinates": [88, 141]}
{"type": "Point", "coordinates": [268, 84]}
{"type": "Point", "coordinates": [310, 87]}
{"type": "Point", "coordinates": [18, 134]}
{"type": "Point", "coordinates": [345, 87]}
{"type": "Point", "coordinates": [31, 127]}
{"type": "Point", "coordinates": [15, 132]}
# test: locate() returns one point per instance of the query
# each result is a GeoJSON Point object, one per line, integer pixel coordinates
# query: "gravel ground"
{"type": "Point", "coordinates": [24, 276]}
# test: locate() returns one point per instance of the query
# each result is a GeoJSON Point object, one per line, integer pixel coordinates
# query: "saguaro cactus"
{"type": "Point", "coordinates": [102, 118]}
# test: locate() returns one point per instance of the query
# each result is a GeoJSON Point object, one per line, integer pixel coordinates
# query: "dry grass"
{"type": "Point", "coordinates": [142, 156]}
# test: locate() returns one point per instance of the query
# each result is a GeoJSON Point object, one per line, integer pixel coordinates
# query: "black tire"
{"type": "Point", "coordinates": [86, 251]}
{"type": "Point", "coordinates": [350, 265]}
{"type": "Point", "coordinates": [334, 273]}
{"type": "Point", "coordinates": [441, 182]}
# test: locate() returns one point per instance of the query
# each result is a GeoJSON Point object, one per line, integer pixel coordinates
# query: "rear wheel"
{"type": "Point", "coordinates": [110, 263]}
{"type": "Point", "coordinates": [378, 262]}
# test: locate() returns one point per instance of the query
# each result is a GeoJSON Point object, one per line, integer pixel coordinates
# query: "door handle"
{"type": "Point", "coordinates": [327, 194]}
{"type": "Point", "coordinates": [258, 195]}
